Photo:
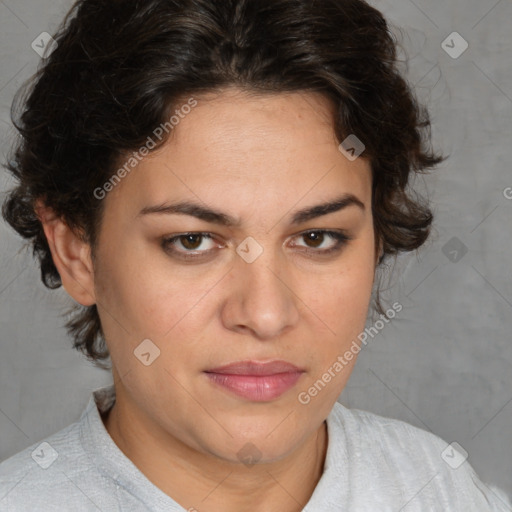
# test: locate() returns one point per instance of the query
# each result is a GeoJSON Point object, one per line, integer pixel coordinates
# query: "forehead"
{"type": "Point", "coordinates": [235, 125]}
{"type": "Point", "coordinates": [265, 144]}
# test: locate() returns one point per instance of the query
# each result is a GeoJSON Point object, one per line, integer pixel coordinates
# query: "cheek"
{"type": "Point", "coordinates": [156, 301]}
{"type": "Point", "coordinates": [342, 304]}
{"type": "Point", "coordinates": [344, 310]}
{"type": "Point", "coordinates": [343, 296]}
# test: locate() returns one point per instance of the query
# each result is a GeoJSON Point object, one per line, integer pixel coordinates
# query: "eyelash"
{"type": "Point", "coordinates": [340, 237]}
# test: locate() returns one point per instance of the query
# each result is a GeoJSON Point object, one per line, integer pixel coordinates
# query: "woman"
{"type": "Point", "coordinates": [215, 184]}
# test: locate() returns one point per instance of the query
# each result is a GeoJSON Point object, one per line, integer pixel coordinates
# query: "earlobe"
{"type": "Point", "coordinates": [71, 255]}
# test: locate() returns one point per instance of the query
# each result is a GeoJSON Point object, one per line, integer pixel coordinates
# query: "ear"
{"type": "Point", "coordinates": [70, 254]}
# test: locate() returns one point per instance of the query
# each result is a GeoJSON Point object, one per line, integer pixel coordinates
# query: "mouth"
{"type": "Point", "coordinates": [256, 381]}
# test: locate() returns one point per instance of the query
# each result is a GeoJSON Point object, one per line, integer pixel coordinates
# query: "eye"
{"type": "Point", "coordinates": [189, 245]}
{"type": "Point", "coordinates": [323, 241]}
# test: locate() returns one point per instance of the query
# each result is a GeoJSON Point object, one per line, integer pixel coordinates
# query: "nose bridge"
{"type": "Point", "coordinates": [261, 280]}
{"type": "Point", "coordinates": [264, 302]}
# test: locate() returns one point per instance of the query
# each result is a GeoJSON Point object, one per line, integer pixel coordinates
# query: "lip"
{"type": "Point", "coordinates": [256, 381]}
{"type": "Point", "coordinates": [256, 368]}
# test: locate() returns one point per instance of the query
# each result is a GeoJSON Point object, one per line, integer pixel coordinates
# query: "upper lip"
{"type": "Point", "coordinates": [256, 368]}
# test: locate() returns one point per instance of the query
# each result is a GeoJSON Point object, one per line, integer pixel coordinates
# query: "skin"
{"type": "Point", "coordinates": [267, 157]}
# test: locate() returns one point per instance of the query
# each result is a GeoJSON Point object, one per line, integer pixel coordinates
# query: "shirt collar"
{"type": "Point", "coordinates": [108, 458]}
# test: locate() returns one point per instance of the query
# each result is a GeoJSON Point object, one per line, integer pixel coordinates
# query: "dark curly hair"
{"type": "Point", "coordinates": [120, 67]}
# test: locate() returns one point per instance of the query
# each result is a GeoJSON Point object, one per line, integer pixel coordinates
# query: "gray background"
{"type": "Point", "coordinates": [444, 362]}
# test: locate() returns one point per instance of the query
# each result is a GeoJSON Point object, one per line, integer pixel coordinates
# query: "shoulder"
{"type": "Point", "coordinates": [40, 455]}
{"type": "Point", "coordinates": [55, 473]}
{"type": "Point", "coordinates": [35, 467]}
{"type": "Point", "coordinates": [400, 456]}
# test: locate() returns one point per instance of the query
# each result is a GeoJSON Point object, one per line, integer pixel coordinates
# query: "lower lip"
{"type": "Point", "coordinates": [257, 388]}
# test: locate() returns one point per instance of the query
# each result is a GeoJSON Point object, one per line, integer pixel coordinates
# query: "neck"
{"type": "Point", "coordinates": [196, 480]}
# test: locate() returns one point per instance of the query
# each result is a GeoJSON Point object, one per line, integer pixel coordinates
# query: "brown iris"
{"type": "Point", "coordinates": [316, 238]}
{"type": "Point", "coordinates": [191, 241]}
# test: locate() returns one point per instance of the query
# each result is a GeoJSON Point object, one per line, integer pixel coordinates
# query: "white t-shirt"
{"type": "Point", "coordinates": [372, 464]}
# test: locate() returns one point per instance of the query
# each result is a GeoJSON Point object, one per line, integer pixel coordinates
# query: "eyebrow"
{"type": "Point", "coordinates": [217, 217]}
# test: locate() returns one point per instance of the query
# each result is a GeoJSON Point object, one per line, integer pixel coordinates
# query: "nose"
{"type": "Point", "coordinates": [261, 298]}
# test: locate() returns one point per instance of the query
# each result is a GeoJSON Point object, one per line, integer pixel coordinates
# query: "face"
{"type": "Point", "coordinates": [251, 272]}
